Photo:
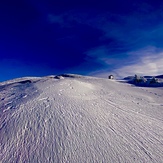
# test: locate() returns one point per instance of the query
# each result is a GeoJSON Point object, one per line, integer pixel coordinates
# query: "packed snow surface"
{"type": "Point", "coordinates": [77, 119]}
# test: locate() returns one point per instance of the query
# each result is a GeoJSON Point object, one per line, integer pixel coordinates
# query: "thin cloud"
{"type": "Point", "coordinates": [55, 19]}
{"type": "Point", "coordinates": [136, 30]}
{"type": "Point", "coordinates": [149, 62]}
{"type": "Point", "coordinates": [123, 39]}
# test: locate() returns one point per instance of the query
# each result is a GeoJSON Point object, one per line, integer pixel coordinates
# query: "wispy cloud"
{"type": "Point", "coordinates": [55, 19]}
{"type": "Point", "coordinates": [140, 28]}
{"type": "Point", "coordinates": [147, 61]}
{"type": "Point", "coordinates": [130, 43]}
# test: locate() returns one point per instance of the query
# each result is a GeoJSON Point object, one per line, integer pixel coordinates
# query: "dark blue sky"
{"type": "Point", "coordinates": [44, 37]}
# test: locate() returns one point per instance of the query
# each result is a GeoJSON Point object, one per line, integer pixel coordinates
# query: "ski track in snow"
{"type": "Point", "coordinates": [80, 120]}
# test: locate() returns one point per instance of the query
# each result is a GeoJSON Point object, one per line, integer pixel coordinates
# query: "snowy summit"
{"type": "Point", "coordinates": [79, 119]}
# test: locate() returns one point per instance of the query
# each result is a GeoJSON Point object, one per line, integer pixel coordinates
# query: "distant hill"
{"type": "Point", "coordinates": [159, 76]}
{"type": "Point", "coordinates": [128, 78]}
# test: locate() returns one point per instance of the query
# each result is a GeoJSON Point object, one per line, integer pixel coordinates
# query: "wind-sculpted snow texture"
{"type": "Point", "coordinates": [80, 120]}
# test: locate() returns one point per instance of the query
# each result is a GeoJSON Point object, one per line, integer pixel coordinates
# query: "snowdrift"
{"type": "Point", "coordinates": [75, 119]}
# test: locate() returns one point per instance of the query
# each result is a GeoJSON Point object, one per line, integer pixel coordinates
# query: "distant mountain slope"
{"type": "Point", "coordinates": [76, 119]}
{"type": "Point", "coordinates": [159, 76]}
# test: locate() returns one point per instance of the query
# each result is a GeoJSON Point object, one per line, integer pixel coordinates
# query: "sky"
{"type": "Point", "coordinates": [96, 38]}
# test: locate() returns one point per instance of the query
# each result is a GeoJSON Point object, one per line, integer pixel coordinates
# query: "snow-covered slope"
{"type": "Point", "coordinates": [77, 119]}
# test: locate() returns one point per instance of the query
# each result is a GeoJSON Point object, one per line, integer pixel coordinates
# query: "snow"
{"type": "Point", "coordinates": [77, 119]}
